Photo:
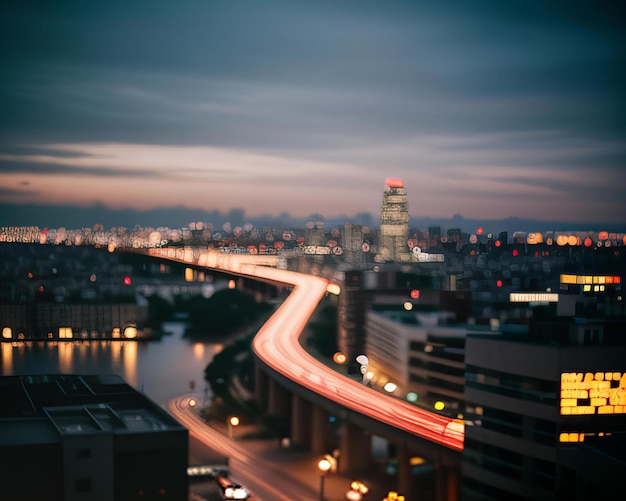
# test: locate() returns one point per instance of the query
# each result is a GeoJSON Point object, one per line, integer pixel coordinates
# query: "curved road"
{"type": "Point", "coordinates": [277, 345]}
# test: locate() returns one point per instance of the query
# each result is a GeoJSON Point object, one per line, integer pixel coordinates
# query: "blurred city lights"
{"type": "Point", "coordinates": [390, 387]}
{"type": "Point", "coordinates": [339, 358]}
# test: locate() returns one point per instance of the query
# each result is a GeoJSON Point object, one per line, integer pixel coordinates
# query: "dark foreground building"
{"type": "Point", "coordinates": [72, 437]}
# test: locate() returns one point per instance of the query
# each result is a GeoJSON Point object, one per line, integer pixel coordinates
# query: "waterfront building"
{"type": "Point", "coordinates": [56, 321]}
{"type": "Point", "coordinates": [76, 437]}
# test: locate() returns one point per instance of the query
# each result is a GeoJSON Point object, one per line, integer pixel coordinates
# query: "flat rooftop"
{"type": "Point", "coordinates": [77, 404]}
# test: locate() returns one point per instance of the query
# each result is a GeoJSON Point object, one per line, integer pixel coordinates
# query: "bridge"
{"type": "Point", "coordinates": [295, 385]}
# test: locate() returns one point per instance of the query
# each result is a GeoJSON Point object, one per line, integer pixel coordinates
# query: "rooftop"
{"type": "Point", "coordinates": [77, 404]}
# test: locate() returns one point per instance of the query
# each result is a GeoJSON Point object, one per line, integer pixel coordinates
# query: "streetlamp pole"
{"type": "Point", "coordinates": [323, 465]}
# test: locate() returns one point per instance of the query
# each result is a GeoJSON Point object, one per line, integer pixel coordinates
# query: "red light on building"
{"type": "Point", "coordinates": [515, 252]}
{"type": "Point", "coordinates": [393, 182]}
{"type": "Point", "coordinates": [499, 283]}
{"type": "Point", "coordinates": [415, 294]}
{"type": "Point", "coordinates": [480, 231]}
{"type": "Point", "coordinates": [127, 280]}
{"type": "Point", "coordinates": [497, 243]}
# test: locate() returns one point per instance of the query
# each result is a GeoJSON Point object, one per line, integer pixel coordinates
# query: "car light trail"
{"type": "Point", "coordinates": [277, 345]}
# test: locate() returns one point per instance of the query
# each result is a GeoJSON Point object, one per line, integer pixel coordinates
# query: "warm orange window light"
{"type": "Point", "coordinates": [65, 333]}
{"type": "Point", "coordinates": [593, 393]}
{"type": "Point", "coordinates": [188, 274]}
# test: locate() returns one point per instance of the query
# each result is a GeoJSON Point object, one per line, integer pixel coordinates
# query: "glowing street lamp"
{"type": "Point", "coordinates": [357, 491]}
{"type": "Point", "coordinates": [233, 422]}
{"type": "Point", "coordinates": [364, 362]}
{"type": "Point", "coordinates": [394, 496]}
{"type": "Point", "coordinates": [390, 387]}
{"type": "Point", "coordinates": [324, 465]}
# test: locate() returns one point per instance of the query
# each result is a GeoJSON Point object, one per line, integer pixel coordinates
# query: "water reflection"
{"type": "Point", "coordinates": [129, 350]}
{"type": "Point", "coordinates": [198, 351]}
{"type": "Point", "coordinates": [162, 368]}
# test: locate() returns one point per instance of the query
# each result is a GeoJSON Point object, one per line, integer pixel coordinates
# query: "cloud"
{"type": "Point", "coordinates": [282, 104]}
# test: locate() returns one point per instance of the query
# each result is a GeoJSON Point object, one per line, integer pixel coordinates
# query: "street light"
{"type": "Point", "coordinates": [324, 465]}
{"type": "Point", "coordinates": [233, 422]}
{"type": "Point", "coordinates": [357, 491]}
{"type": "Point", "coordinates": [393, 496]}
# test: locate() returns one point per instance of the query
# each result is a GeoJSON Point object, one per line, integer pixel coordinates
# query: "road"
{"type": "Point", "coordinates": [263, 479]}
{"type": "Point", "coordinates": [277, 345]}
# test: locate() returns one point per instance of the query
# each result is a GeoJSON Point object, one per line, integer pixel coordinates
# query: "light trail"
{"type": "Point", "coordinates": [263, 478]}
{"type": "Point", "coordinates": [277, 345]}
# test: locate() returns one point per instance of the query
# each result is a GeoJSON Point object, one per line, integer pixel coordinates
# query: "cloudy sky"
{"type": "Point", "coordinates": [488, 109]}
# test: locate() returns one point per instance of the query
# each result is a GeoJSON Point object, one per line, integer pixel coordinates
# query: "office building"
{"type": "Point", "coordinates": [91, 437]}
{"type": "Point", "coordinates": [548, 407]}
{"type": "Point", "coordinates": [394, 223]}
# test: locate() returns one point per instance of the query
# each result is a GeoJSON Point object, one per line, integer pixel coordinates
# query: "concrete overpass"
{"type": "Point", "coordinates": [297, 387]}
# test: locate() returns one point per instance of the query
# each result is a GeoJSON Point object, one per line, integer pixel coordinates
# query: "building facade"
{"type": "Point", "coordinates": [536, 402]}
{"type": "Point", "coordinates": [394, 223]}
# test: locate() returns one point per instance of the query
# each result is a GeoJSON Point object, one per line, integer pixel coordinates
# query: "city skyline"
{"type": "Point", "coordinates": [490, 111]}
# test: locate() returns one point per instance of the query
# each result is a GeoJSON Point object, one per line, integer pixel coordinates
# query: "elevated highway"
{"type": "Point", "coordinates": [287, 364]}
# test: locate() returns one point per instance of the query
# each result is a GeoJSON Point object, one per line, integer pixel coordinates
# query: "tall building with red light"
{"type": "Point", "coordinates": [394, 223]}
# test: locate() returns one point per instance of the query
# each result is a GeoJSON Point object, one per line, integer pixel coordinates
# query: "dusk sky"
{"type": "Point", "coordinates": [489, 109]}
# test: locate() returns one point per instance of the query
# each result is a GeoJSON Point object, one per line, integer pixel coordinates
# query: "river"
{"type": "Point", "coordinates": [162, 369]}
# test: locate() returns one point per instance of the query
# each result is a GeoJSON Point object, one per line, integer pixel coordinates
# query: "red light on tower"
{"type": "Point", "coordinates": [415, 294]}
{"type": "Point", "coordinates": [497, 243]}
{"type": "Point", "coordinates": [515, 252]}
{"type": "Point", "coordinates": [127, 280]}
{"type": "Point", "coordinates": [499, 283]}
{"type": "Point", "coordinates": [393, 182]}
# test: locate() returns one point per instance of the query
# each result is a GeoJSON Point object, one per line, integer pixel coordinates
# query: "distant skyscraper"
{"type": "Point", "coordinates": [394, 223]}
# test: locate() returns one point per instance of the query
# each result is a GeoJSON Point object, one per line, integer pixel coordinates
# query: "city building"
{"type": "Point", "coordinates": [87, 437]}
{"type": "Point", "coordinates": [394, 223]}
{"type": "Point", "coordinates": [421, 353]}
{"type": "Point", "coordinates": [537, 401]}
{"type": "Point", "coordinates": [55, 321]}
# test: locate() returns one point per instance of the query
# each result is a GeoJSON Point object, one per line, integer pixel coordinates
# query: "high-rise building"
{"type": "Point", "coordinates": [394, 223]}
